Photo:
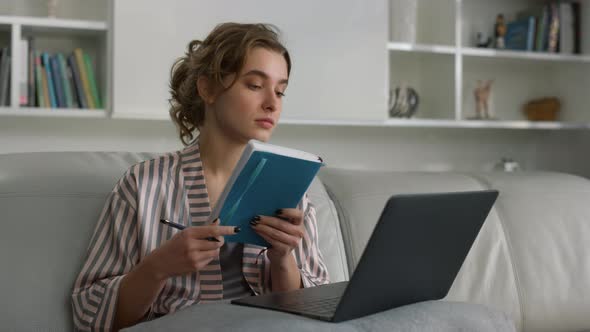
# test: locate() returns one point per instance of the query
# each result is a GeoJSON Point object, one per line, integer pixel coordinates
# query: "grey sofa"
{"type": "Point", "coordinates": [529, 269]}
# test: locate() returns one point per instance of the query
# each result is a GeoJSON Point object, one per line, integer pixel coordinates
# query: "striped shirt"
{"type": "Point", "coordinates": [171, 187]}
{"type": "Point", "coordinates": [234, 283]}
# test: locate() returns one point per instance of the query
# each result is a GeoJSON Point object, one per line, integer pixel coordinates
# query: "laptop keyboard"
{"type": "Point", "coordinates": [317, 306]}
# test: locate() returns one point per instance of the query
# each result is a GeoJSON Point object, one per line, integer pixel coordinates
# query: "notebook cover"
{"type": "Point", "coordinates": [281, 183]}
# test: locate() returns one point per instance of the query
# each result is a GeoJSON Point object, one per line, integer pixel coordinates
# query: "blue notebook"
{"type": "Point", "coordinates": [266, 178]}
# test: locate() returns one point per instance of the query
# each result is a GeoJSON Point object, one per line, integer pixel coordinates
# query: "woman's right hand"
{"type": "Point", "coordinates": [187, 251]}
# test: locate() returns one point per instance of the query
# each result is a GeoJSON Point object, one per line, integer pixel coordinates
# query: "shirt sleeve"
{"type": "Point", "coordinates": [112, 252]}
{"type": "Point", "coordinates": [308, 256]}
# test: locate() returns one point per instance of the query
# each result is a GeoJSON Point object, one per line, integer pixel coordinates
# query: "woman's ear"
{"type": "Point", "coordinates": [205, 90]}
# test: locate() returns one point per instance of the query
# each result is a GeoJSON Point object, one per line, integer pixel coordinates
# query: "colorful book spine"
{"type": "Point", "coordinates": [92, 81]}
{"type": "Point", "coordinates": [530, 40]}
{"type": "Point", "coordinates": [553, 33]}
{"type": "Point", "coordinates": [49, 76]}
{"type": "Point", "coordinates": [45, 83]}
{"type": "Point", "coordinates": [84, 77]}
{"type": "Point", "coordinates": [24, 73]}
{"type": "Point", "coordinates": [78, 82]}
{"type": "Point", "coordinates": [61, 62]}
{"type": "Point", "coordinates": [70, 76]}
{"type": "Point", "coordinates": [32, 75]}
{"type": "Point", "coordinates": [541, 31]}
{"type": "Point", "coordinates": [39, 80]}
{"type": "Point", "coordinates": [4, 77]}
{"type": "Point", "coordinates": [57, 82]}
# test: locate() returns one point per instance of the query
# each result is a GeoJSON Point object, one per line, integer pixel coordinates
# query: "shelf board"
{"type": "Point", "coordinates": [440, 123]}
{"type": "Point", "coordinates": [53, 112]}
{"type": "Point", "coordinates": [422, 48]}
{"type": "Point", "coordinates": [524, 55]}
{"type": "Point", "coordinates": [141, 116]}
{"type": "Point", "coordinates": [407, 123]}
{"type": "Point", "coordinates": [55, 24]}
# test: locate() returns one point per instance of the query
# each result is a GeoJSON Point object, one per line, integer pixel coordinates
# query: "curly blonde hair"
{"type": "Point", "coordinates": [222, 53]}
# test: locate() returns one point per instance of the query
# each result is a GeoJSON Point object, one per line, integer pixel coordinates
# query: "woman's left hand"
{"type": "Point", "coordinates": [283, 231]}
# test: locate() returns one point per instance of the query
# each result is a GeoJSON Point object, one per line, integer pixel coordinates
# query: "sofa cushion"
{"type": "Point", "coordinates": [546, 220]}
{"type": "Point", "coordinates": [50, 203]}
{"type": "Point", "coordinates": [433, 316]}
{"type": "Point", "coordinates": [486, 276]}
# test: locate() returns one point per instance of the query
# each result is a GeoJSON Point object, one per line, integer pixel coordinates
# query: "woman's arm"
{"type": "Point", "coordinates": [186, 252]}
{"type": "Point", "coordinates": [138, 290]}
{"type": "Point", "coordinates": [285, 274]}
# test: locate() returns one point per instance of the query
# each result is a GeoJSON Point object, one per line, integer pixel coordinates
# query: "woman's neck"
{"type": "Point", "coordinates": [219, 154]}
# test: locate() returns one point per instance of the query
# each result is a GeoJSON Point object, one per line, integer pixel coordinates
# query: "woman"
{"type": "Point", "coordinates": [229, 87]}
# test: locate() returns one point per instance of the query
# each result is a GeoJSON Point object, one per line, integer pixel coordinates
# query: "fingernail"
{"type": "Point", "coordinates": [216, 220]}
{"type": "Point", "coordinates": [212, 239]}
{"type": "Point", "coordinates": [279, 211]}
{"type": "Point", "coordinates": [253, 222]}
{"type": "Point", "coordinates": [237, 229]}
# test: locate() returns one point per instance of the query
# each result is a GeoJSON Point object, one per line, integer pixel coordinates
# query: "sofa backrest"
{"type": "Point", "coordinates": [530, 259]}
{"type": "Point", "coordinates": [50, 203]}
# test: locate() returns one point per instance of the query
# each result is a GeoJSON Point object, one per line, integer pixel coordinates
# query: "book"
{"type": "Point", "coordinates": [92, 81]}
{"type": "Point", "coordinates": [566, 31]}
{"type": "Point", "coordinates": [542, 30]}
{"type": "Point", "coordinates": [5, 77]}
{"type": "Point", "coordinates": [266, 178]}
{"type": "Point", "coordinates": [24, 73]}
{"type": "Point", "coordinates": [40, 85]}
{"type": "Point", "coordinates": [519, 34]}
{"type": "Point", "coordinates": [81, 97]}
{"type": "Point", "coordinates": [554, 26]}
{"type": "Point", "coordinates": [61, 62]}
{"type": "Point", "coordinates": [32, 93]}
{"type": "Point", "coordinates": [50, 84]}
{"type": "Point", "coordinates": [45, 83]}
{"type": "Point", "coordinates": [576, 8]}
{"type": "Point", "coordinates": [79, 57]}
{"type": "Point", "coordinates": [60, 96]}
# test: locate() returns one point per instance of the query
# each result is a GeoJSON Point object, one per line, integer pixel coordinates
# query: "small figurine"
{"type": "Point", "coordinates": [483, 40]}
{"type": "Point", "coordinates": [403, 102]}
{"type": "Point", "coordinates": [482, 95]}
{"type": "Point", "coordinates": [500, 31]}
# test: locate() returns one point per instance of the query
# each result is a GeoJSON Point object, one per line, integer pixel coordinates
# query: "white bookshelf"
{"type": "Point", "coordinates": [443, 64]}
{"type": "Point", "coordinates": [57, 35]}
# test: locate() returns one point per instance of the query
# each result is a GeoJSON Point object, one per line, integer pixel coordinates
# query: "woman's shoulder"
{"type": "Point", "coordinates": [151, 169]}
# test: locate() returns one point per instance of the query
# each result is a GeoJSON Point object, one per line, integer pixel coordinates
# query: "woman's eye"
{"type": "Point", "coordinates": [254, 86]}
{"type": "Point", "coordinates": [280, 94]}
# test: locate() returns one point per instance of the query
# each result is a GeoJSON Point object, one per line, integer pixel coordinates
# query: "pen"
{"type": "Point", "coordinates": [181, 227]}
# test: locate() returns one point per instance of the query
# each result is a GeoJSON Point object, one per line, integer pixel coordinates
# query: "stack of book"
{"type": "Point", "coordinates": [554, 27]}
{"type": "Point", "coordinates": [57, 80]}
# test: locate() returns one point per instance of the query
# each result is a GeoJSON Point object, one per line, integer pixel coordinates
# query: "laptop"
{"type": "Point", "coordinates": [413, 255]}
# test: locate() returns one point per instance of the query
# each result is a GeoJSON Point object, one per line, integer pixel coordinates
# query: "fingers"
{"type": "Point", "coordinates": [275, 244]}
{"type": "Point", "coordinates": [278, 230]}
{"type": "Point", "coordinates": [203, 258]}
{"type": "Point", "coordinates": [203, 232]}
{"type": "Point", "coordinates": [276, 223]}
{"type": "Point", "coordinates": [294, 216]}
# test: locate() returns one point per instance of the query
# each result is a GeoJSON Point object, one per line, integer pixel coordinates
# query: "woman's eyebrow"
{"type": "Point", "coordinates": [262, 74]}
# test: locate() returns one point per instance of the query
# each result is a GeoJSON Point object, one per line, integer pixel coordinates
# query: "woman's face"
{"type": "Point", "coordinates": [251, 108]}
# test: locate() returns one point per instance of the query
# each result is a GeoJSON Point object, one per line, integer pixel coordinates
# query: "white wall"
{"type": "Point", "coordinates": [337, 47]}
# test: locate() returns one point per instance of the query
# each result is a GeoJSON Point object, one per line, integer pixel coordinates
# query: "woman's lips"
{"type": "Point", "coordinates": [265, 123]}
